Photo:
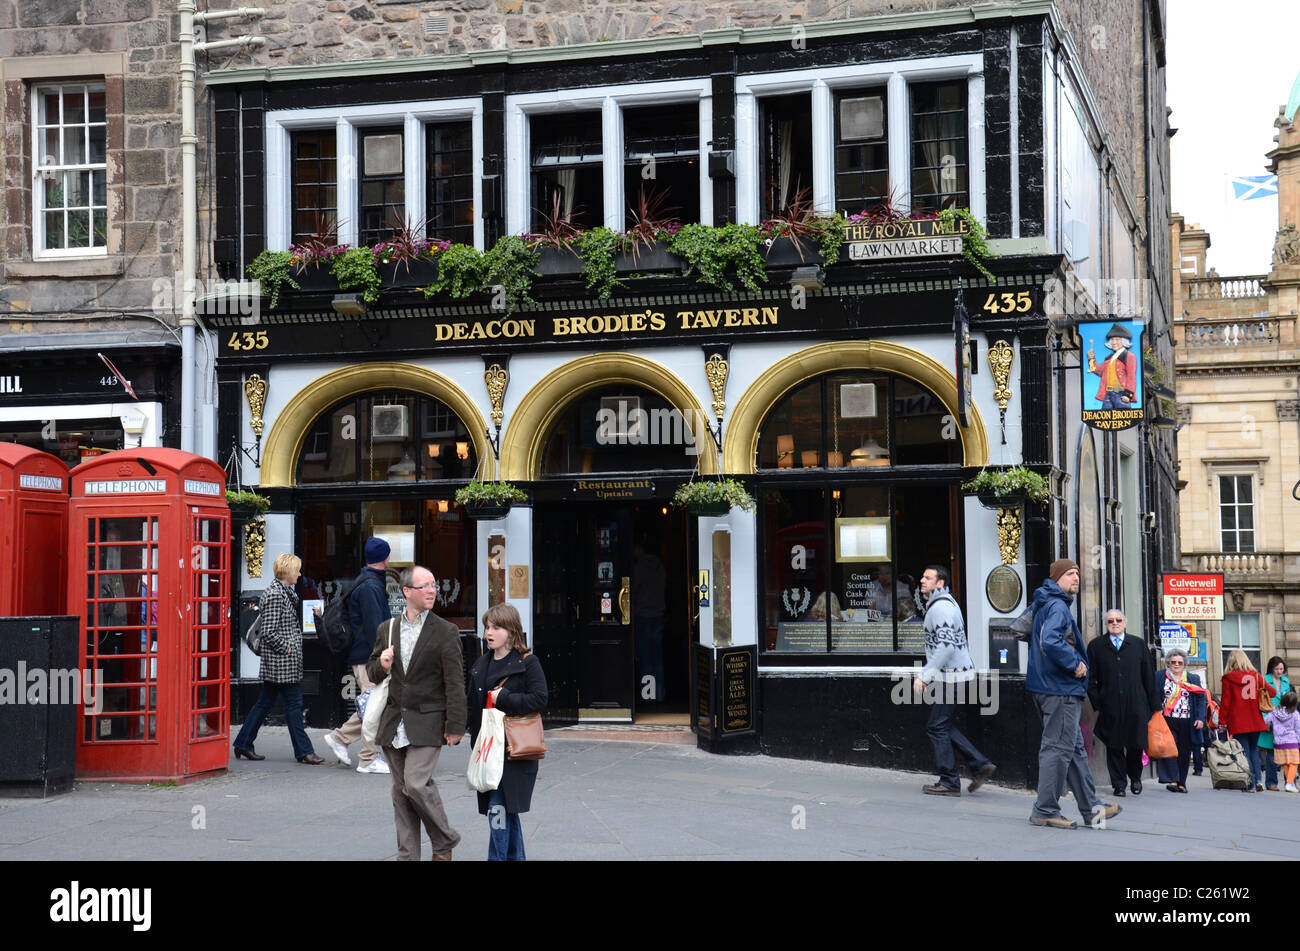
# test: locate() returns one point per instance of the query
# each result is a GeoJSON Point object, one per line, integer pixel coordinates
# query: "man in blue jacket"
{"type": "Point", "coordinates": [367, 609]}
{"type": "Point", "coordinates": [1057, 679]}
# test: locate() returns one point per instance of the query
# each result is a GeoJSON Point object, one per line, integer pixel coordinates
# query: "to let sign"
{"type": "Point", "coordinates": [1193, 597]}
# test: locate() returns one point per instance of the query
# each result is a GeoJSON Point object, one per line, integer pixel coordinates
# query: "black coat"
{"type": "Point", "coordinates": [523, 692]}
{"type": "Point", "coordinates": [1122, 688]}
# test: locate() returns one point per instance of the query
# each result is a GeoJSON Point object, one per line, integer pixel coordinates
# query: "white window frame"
{"type": "Point", "coordinates": [39, 251]}
{"type": "Point", "coordinates": [896, 77]}
{"type": "Point", "coordinates": [347, 120]}
{"type": "Point", "coordinates": [610, 100]}
{"type": "Point", "coordinates": [1237, 473]}
{"type": "Point", "coordinates": [1236, 616]}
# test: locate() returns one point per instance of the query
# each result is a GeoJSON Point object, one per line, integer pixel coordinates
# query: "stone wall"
{"type": "Point", "coordinates": [129, 45]}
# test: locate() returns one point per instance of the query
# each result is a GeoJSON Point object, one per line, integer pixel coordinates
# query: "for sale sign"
{"type": "Point", "coordinates": [1193, 597]}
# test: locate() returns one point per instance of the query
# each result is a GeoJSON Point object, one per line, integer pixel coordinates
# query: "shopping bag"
{"type": "Point", "coordinates": [376, 701]}
{"type": "Point", "coordinates": [1160, 741]}
{"type": "Point", "coordinates": [488, 758]}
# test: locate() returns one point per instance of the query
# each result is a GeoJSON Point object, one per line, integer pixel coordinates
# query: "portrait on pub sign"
{"type": "Point", "coordinates": [1111, 368]}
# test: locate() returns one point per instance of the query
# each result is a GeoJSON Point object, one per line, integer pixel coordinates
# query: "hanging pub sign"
{"type": "Point", "coordinates": [1112, 373]}
{"type": "Point", "coordinates": [908, 238]}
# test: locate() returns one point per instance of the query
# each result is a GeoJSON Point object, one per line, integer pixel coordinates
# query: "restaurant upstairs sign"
{"type": "Point", "coordinates": [908, 238]}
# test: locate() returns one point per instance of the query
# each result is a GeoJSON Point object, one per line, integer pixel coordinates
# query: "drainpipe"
{"type": "Point", "coordinates": [189, 18]}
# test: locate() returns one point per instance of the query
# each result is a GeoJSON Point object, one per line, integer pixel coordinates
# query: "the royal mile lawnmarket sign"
{"type": "Point", "coordinates": [908, 238]}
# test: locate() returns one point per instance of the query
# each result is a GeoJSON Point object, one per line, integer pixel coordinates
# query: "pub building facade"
{"type": "Point", "coordinates": [835, 393]}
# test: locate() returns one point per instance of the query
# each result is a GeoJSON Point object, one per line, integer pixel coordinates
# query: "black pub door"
{"type": "Point", "coordinates": [599, 567]}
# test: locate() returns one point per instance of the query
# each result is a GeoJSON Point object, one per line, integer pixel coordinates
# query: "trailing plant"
{"type": "Point", "coordinates": [974, 246]}
{"type": "Point", "coordinates": [712, 253]}
{"type": "Point", "coordinates": [273, 269]}
{"type": "Point", "coordinates": [250, 501]}
{"type": "Point", "coordinates": [717, 492]}
{"type": "Point", "coordinates": [460, 272]}
{"type": "Point", "coordinates": [320, 247]}
{"type": "Point", "coordinates": [1016, 480]}
{"type": "Point", "coordinates": [598, 249]}
{"type": "Point", "coordinates": [511, 265]}
{"type": "Point", "coordinates": [490, 493]}
{"type": "Point", "coordinates": [355, 270]}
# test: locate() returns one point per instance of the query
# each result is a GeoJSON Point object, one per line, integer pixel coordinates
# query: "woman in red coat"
{"type": "Point", "coordinates": [1239, 710]}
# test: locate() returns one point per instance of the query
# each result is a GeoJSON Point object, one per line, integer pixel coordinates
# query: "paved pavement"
{"type": "Point", "coordinates": [648, 799]}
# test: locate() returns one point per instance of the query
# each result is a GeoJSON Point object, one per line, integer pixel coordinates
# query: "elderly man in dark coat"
{"type": "Point", "coordinates": [1122, 690]}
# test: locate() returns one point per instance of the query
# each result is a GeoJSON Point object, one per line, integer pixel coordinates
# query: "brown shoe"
{"type": "Point", "coordinates": [1053, 822]}
{"type": "Point", "coordinates": [441, 857]}
{"type": "Point", "coordinates": [311, 759]}
{"type": "Point", "coordinates": [983, 777]}
{"type": "Point", "coordinates": [938, 789]}
{"type": "Point", "coordinates": [247, 754]}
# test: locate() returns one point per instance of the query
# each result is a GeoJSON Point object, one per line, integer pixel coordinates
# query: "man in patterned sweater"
{"type": "Point", "coordinates": [947, 664]}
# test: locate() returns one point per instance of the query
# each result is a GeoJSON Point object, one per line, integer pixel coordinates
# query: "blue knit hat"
{"type": "Point", "coordinates": [377, 550]}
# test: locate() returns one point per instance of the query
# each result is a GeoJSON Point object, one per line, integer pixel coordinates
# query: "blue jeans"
{"type": "Point", "coordinates": [1250, 743]}
{"type": "Point", "coordinates": [944, 735]}
{"type": "Point", "coordinates": [506, 835]}
{"type": "Point", "coordinates": [292, 717]}
{"type": "Point", "coordinates": [1270, 766]}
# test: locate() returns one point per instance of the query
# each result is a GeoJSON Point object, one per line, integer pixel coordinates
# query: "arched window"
{"type": "Point", "coordinates": [622, 428]}
{"type": "Point", "coordinates": [858, 476]}
{"type": "Point", "coordinates": [387, 437]}
{"type": "Point", "coordinates": [387, 463]}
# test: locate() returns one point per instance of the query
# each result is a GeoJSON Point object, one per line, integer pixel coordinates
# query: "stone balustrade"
{"type": "Point", "coordinates": [1212, 288]}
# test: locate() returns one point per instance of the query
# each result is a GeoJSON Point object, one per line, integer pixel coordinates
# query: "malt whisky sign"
{"type": "Point", "coordinates": [922, 238]}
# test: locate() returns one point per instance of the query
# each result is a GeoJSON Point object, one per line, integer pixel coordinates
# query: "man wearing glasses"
{"type": "Point", "coordinates": [426, 709]}
{"type": "Point", "coordinates": [1122, 689]}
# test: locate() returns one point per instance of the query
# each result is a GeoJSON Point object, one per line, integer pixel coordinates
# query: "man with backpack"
{"type": "Point", "coordinates": [1057, 679]}
{"type": "Point", "coordinates": [367, 608]}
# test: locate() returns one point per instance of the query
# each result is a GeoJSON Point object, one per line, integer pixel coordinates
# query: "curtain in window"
{"type": "Point", "coordinates": [786, 133]}
{"type": "Point", "coordinates": [927, 127]}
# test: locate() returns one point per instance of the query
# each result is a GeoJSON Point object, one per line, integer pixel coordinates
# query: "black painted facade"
{"type": "Point", "coordinates": [815, 715]}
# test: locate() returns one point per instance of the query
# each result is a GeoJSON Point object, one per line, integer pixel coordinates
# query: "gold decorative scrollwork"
{"type": "Point", "coordinates": [254, 546]}
{"type": "Point", "coordinates": [1001, 359]}
{"type": "Point", "coordinates": [1009, 534]}
{"type": "Point", "coordinates": [496, 377]}
{"type": "Point", "coordinates": [716, 370]}
{"type": "Point", "coordinates": [255, 394]}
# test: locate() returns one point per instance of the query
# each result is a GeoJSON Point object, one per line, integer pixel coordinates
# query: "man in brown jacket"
{"type": "Point", "coordinates": [426, 708]}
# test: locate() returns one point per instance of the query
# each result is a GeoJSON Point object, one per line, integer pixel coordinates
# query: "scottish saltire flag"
{"type": "Point", "coordinates": [1246, 187]}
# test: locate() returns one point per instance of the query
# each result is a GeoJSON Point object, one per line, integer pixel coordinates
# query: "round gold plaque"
{"type": "Point", "coordinates": [1003, 588]}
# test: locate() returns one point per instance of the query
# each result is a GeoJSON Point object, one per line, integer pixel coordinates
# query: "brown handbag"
{"type": "Point", "coordinates": [1265, 698]}
{"type": "Point", "coordinates": [524, 736]}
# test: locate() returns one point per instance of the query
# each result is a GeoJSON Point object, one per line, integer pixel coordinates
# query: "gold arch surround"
{"type": "Point", "coordinates": [284, 443]}
{"type": "Point", "coordinates": [740, 442]}
{"type": "Point", "coordinates": [524, 439]}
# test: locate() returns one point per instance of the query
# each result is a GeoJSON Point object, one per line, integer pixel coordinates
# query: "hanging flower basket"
{"type": "Point", "coordinates": [246, 505]}
{"type": "Point", "coordinates": [486, 501]}
{"type": "Point", "coordinates": [1009, 488]}
{"type": "Point", "coordinates": [713, 498]}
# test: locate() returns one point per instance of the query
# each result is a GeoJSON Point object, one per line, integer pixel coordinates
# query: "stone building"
{"type": "Point", "coordinates": [834, 391]}
{"type": "Point", "coordinates": [91, 226]}
{"type": "Point", "coordinates": [1239, 444]}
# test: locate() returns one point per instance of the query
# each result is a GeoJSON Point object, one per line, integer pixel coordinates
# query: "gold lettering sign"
{"type": "Point", "coordinates": [598, 325]}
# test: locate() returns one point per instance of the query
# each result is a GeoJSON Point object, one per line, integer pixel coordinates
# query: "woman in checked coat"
{"type": "Point", "coordinates": [281, 664]}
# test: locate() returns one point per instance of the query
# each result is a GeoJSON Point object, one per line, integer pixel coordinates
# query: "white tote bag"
{"type": "Point", "coordinates": [489, 755]}
{"type": "Point", "coordinates": [376, 701]}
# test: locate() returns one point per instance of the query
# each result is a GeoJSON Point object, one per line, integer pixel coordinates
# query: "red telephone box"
{"type": "Point", "coordinates": [33, 532]}
{"type": "Point", "coordinates": [152, 592]}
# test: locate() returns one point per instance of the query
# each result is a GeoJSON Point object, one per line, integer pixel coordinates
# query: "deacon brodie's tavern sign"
{"type": "Point", "coordinates": [404, 329]}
